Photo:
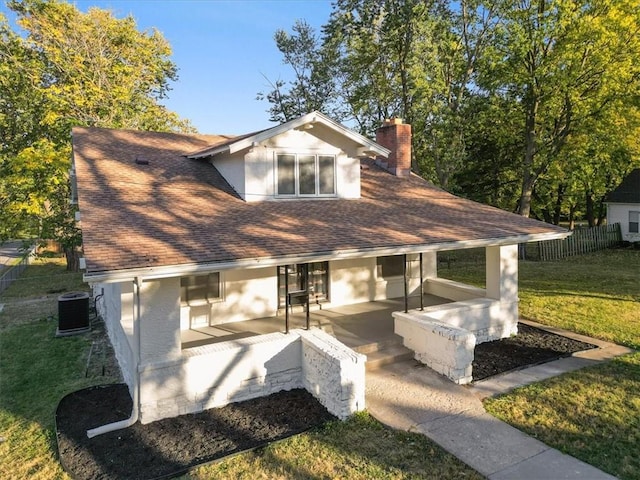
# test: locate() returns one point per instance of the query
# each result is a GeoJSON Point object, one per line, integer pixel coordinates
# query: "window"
{"type": "Point", "coordinates": [634, 222]}
{"type": "Point", "coordinates": [200, 289]}
{"type": "Point", "coordinates": [317, 274]}
{"type": "Point", "coordinates": [305, 175]}
{"type": "Point", "coordinates": [391, 266]}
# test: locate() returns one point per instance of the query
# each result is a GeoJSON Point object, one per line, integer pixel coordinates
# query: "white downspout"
{"type": "Point", "coordinates": [110, 427]}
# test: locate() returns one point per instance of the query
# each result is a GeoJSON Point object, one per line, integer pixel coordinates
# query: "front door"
{"type": "Point", "coordinates": [314, 275]}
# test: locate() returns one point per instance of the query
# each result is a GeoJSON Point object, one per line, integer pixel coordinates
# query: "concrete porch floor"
{"type": "Point", "coordinates": [354, 325]}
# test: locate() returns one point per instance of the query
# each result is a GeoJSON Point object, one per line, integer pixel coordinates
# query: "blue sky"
{"type": "Point", "coordinates": [223, 50]}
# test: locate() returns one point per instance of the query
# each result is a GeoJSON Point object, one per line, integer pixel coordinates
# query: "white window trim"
{"type": "Point", "coordinates": [296, 174]}
{"type": "Point", "coordinates": [637, 222]}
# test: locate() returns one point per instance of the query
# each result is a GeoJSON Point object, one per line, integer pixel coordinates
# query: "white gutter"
{"type": "Point", "coordinates": [135, 410]}
{"type": "Point", "coordinates": [191, 269]}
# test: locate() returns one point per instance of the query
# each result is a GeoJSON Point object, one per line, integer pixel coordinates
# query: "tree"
{"type": "Point", "coordinates": [536, 93]}
{"type": "Point", "coordinates": [40, 193]}
{"type": "Point", "coordinates": [413, 59]}
{"type": "Point", "coordinates": [464, 32]}
{"type": "Point", "coordinates": [71, 68]}
{"type": "Point", "coordinates": [566, 62]}
{"type": "Point", "coordinates": [313, 86]}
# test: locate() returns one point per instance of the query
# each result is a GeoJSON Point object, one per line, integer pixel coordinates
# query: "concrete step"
{"type": "Point", "coordinates": [396, 353]}
{"type": "Point", "coordinates": [373, 347]}
{"type": "Point", "coordinates": [384, 352]}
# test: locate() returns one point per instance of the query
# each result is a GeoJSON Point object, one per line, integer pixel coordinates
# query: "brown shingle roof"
{"type": "Point", "coordinates": [177, 211]}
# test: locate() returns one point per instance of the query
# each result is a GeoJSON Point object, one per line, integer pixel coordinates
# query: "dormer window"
{"type": "Point", "coordinates": [305, 175]}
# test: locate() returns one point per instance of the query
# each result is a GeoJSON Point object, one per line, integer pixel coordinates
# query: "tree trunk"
{"type": "Point", "coordinates": [572, 220]}
{"type": "Point", "coordinates": [528, 175]}
{"type": "Point", "coordinates": [524, 204]}
{"type": "Point", "coordinates": [590, 213]}
{"type": "Point", "coordinates": [602, 211]}
{"type": "Point", "coordinates": [73, 259]}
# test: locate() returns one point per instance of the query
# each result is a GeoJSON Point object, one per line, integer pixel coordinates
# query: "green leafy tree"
{"type": "Point", "coordinates": [566, 62]}
{"type": "Point", "coordinates": [313, 86]}
{"type": "Point", "coordinates": [541, 94]}
{"type": "Point", "coordinates": [70, 68]}
{"type": "Point", "coordinates": [413, 59]}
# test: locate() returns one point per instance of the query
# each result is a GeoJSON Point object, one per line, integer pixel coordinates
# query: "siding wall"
{"type": "Point", "coordinates": [619, 213]}
{"type": "Point", "coordinates": [249, 294]}
{"type": "Point", "coordinates": [252, 172]}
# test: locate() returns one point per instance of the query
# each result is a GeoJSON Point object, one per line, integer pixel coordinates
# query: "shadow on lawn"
{"type": "Point", "coordinates": [551, 293]}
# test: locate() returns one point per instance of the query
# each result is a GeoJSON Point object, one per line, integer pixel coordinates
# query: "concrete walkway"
{"type": "Point", "coordinates": [412, 397]}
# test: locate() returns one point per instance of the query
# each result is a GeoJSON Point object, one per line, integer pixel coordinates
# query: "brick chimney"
{"type": "Point", "coordinates": [396, 136]}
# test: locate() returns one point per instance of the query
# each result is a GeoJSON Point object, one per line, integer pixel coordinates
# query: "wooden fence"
{"type": "Point", "coordinates": [583, 240]}
{"type": "Point", "coordinates": [12, 274]}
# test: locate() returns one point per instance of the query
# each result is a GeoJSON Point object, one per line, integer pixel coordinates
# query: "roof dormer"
{"type": "Point", "coordinates": [311, 157]}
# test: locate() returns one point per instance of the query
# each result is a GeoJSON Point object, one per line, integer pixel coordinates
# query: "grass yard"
{"type": "Point", "coordinates": [358, 449]}
{"type": "Point", "coordinates": [592, 414]}
{"type": "Point", "coordinates": [37, 370]}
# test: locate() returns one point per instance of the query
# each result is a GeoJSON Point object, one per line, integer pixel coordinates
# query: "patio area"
{"type": "Point", "coordinates": [354, 325]}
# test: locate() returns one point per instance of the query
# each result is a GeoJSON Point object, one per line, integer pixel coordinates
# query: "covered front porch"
{"type": "Point", "coordinates": [439, 320]}
{"type": "Point", "coordinates": [355, 325]}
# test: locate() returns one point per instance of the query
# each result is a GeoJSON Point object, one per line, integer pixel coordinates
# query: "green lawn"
{"type": "Point", "coordinates": [358, 449]}
{"type": "Point", "coordinates": [592, 414]}
{"type": "Point", "coordinates": [36, 369]}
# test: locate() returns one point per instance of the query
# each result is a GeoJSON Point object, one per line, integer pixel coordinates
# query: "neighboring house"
{"type": "Point", "coordinates": [194, 244]}
{"type": "Point", "coordinates": [623, 207]}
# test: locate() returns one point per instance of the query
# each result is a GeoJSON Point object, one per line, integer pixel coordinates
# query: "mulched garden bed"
{"type": "Point", "coordinates": [170, 447]}
{"type": "Point", "coordinates": [173, 446]}
{"type": "Point", "coordinates": [531, 346]}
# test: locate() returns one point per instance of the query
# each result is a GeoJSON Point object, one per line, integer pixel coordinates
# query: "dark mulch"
{"type": "Point", "coordinates": [531, 346]}
{"type": "Point", "coordinates": [170, 447]}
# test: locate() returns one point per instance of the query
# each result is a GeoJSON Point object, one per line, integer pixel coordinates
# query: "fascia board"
{"type": "Point", "coordinates": [151, 273]}
{"type": "Point", "coordinates": [313, 117]}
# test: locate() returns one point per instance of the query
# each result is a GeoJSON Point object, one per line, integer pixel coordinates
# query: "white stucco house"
{"type": "Point", "coordinates": [623, 207]}
{"type": "Point", "coordinates": [203, 251]}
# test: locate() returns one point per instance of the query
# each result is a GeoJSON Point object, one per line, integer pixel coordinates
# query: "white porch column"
{"type": "Point", "coordinates": [160, 320]}
{"type": "Point", "coordinates": [430, 265]}
{"type": "Point", "coordinates": [502, 273]}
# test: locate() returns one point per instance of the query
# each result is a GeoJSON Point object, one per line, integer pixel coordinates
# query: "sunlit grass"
{"type": "Point", "coordinates": [359, 449]}
{"type": "Point", "coordinates": [36, 370]}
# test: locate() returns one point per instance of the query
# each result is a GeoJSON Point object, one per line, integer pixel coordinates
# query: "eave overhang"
{"type": "Point", "coordinates": [167, 271]}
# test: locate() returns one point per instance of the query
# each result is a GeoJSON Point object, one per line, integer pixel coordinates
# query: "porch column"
{"type": "Point", "coordinates": [502, 273]}
{"type": "Point", "coordinates": [430, 265]}
{"type": "Point", "coordinates": [160, 320]}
